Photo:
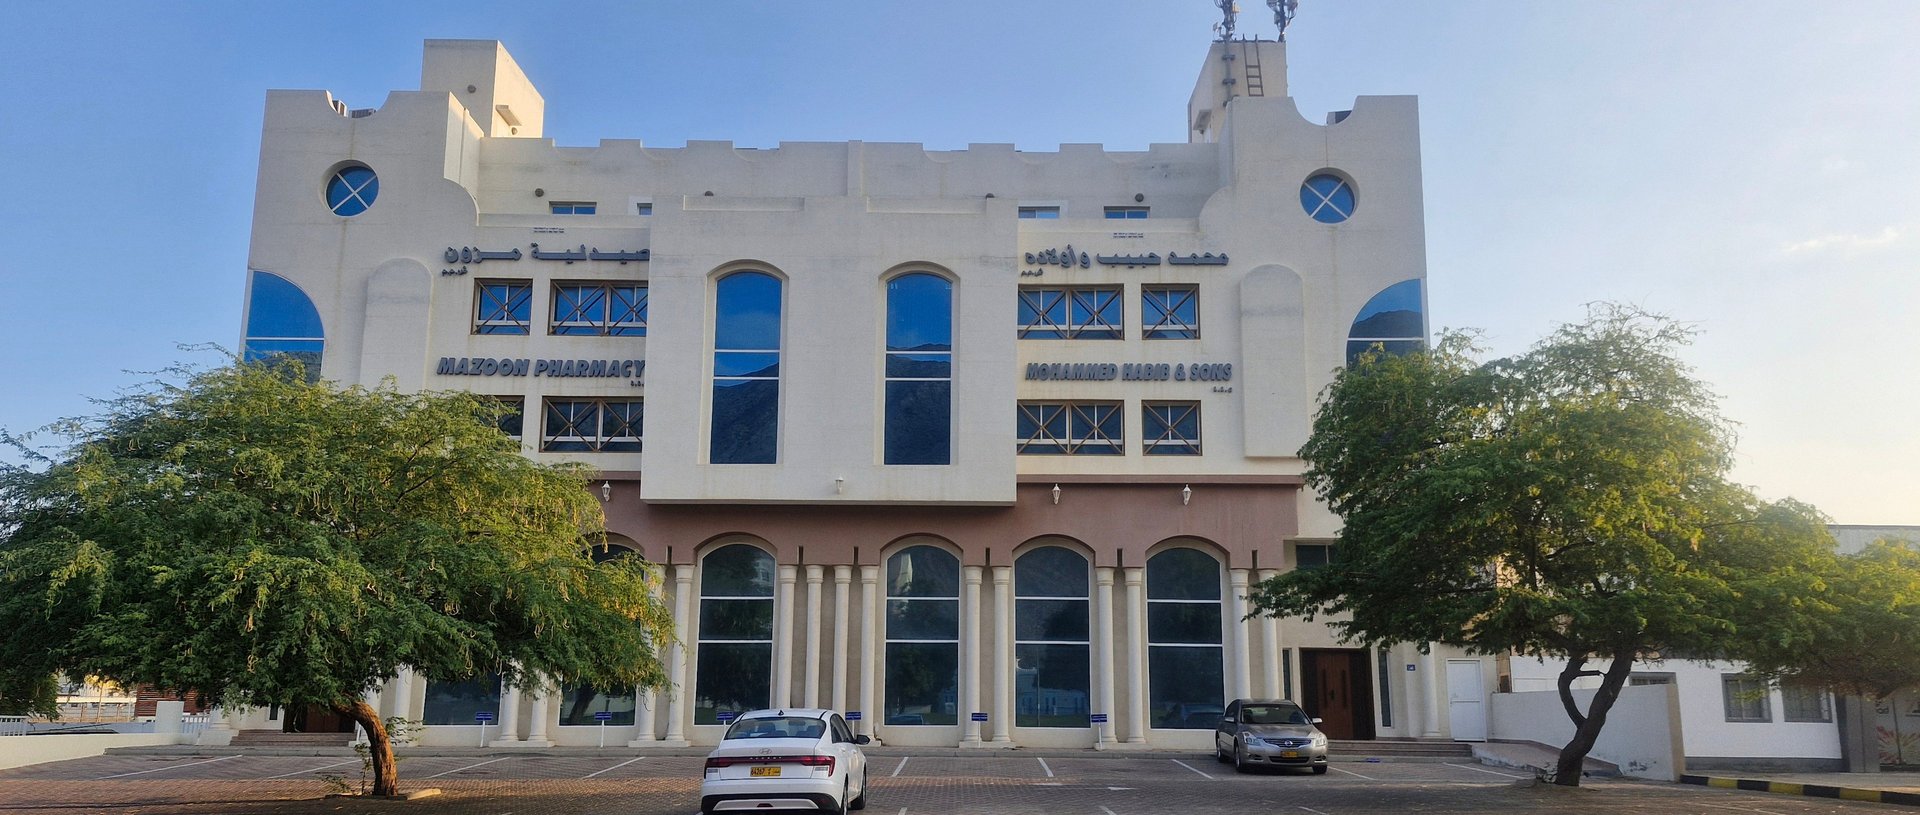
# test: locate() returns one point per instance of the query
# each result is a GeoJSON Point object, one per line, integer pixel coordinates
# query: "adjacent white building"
{"type": "Point", "coordinates": [983, 445]}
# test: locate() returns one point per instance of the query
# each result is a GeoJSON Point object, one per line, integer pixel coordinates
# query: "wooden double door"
{"type": "Point", "coordinates": [1337, 686]}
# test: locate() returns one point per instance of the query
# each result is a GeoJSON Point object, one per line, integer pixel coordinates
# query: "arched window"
{"type": "Point", "coordinates": [1052, 674]}
{"type": "Point", "coordinates": [746, 369]}
{"type": "Point", "coordinates": [281, 321]}
{"type": "Point", "coordinates": [919, 370]}
{"type": "Point", "coordinates": [1395, 319]}
{"type": "Point", "coordinates": [1184, 651]}
{"type": "Point", "coordinates": [736, 632]}
{"type": "Point", "coordinates": [923, 637]}
{"type": "Point", "coordinates": [579, 703]}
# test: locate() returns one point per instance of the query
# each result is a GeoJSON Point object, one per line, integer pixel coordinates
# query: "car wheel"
{"type": "Point", "coordinates": [1219, 754]}
{"type": "Point", "coordinates": [1239, 759]}
{"type": "Point", "coordinates": [860, 802]}
{"type": "Point", "coordinates": [1320, 770]}
{"type": "Point", "coordinates": [840, 807]}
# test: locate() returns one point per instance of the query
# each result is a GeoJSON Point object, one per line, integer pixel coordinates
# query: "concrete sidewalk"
{"type": "Point", "coordinates": [1883, 788]}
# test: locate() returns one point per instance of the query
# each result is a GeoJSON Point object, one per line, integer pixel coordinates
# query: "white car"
{"type": "Point", "coordinates": [795, 758]}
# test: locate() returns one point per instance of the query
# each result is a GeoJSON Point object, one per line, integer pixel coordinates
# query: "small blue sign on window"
{"type": "Point", "coordinates": [979, 717]}
{"type": "Point", "coordinates": [853, 715]}
{"type": "Point", "coordinates": [602, 716]}
{"type": "Point", "coordinates": [725, 716]}
{"type": "Point", "coordinates": [483, 717]}
{"type": "Point", "coordinates": [1098, 718]}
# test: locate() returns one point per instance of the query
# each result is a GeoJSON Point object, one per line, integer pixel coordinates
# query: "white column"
{"type": "Point", "coordinates": [1103, 697]}
{"type": "Point", "coordinates": [1136, 580]}
{"type": "Point", "coordinates": [970, 656]}
{"type": "Point", "coordinates": [811, 671]}
{"type": "Point", "coordinates": [402, 702]}
{"type": "Point", "coordinates": [870, 648]}
{"type": "Point", "coordinates": [1269, 633]}
{"type": "Point", "coordinates": [537, 722]}
{"type": "Point", "coordinates": [679, 707]}
{"type": "Point", "coordinates": [1240, 681]}
{"type": "Point", "coordinates": [1003, 656]}
{"type": "Point", "coordinates": [842, 588]}
{"type": "Point", "coordinates": [1430, 693]}
{"type": "Point", "coordinates": [643, 702]}
{"type": "Point", "coordinates": [509, 717]}
{"type": "Point", "coordinates": [783, 637]}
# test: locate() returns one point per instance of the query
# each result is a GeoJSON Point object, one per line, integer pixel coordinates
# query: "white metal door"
{"type": "Point", "coordinates": [1466, 700]}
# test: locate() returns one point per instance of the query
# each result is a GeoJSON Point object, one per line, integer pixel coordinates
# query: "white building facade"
{"type": "Point", "coordinates": [983, 445]}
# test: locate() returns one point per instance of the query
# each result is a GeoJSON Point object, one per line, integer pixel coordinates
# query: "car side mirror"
{"type": "Point", "coordinates": [862, 740]}
{"type": "Point", "coordinates": [1317, 720]}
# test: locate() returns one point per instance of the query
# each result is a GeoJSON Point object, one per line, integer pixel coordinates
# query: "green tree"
{"type": "Point", "coordinates": [1568, 502]}
{"type": "Point", "coordinates": [1855, 625]}
{"type": "Point", "coordinates": [243, 533]}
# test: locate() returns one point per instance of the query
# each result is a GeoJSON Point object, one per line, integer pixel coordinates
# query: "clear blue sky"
{"type": "Point", "coordinates": [1750, 166]}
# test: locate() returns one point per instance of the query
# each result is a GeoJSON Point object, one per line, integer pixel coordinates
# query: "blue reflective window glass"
{"type": "Point", "coordinates": [1126, 213]}
{"type": "Point", "coordinates": [282, 322]}
{"type": "Point", "coordinates": [747, 312]}
{"type": "Point", "coordinates": [1070, 428]}
{"type": "Point", "coordinates": [1394, 319]}
{"type": "Point", "coordinates": [919, 370]}
{"type": "Point", "coordinates": [746, 417]}
{"type": "Point", "coordinates": [502, 307]}
{"type": "Point", "coordinates": [1327, 198]}
{"type": "Point", "coordinates": [627, 314]}
{"type": "Point", "coordinates": [750, 365]}
{"type": "Point", "coordinates": [1039, 213]}
{"type": "Point", "coordinates": [1185, 659]}
{"type": "Point", "coordinates": [351, 190]}
{"type": "Point", "coordinates": [1169, 312]}
{"type": "Point", "coordinates": [579, 309]}
{"type": "Point", "coordinates": [1170, 428]}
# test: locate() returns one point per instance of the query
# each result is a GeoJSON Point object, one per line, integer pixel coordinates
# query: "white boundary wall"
{"type": "Point", "coordinates": [21, 751]}
{"type": "Point", "coordinates": [1642, 735]}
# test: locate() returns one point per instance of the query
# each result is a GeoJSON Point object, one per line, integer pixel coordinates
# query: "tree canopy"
{"type": "Point", "coordinates": [1855, 628]}
{"type": "Point", "coordinates": [241, 532]}
{"type": "Point", "coordinates": [1571, 502]}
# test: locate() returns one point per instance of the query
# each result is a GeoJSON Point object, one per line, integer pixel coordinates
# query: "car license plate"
{"type": "Point", "coordinates": [766, 772]}
{"type": "Point", "coordinates": [1290, 754]}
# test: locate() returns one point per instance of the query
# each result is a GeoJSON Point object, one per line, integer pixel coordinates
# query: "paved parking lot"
{"type": "Point", "coordinates": [994, 784]}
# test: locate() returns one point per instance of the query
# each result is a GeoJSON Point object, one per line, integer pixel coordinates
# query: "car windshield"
{"type": "Point", "coordinates": [1273, 714]}
{"type": "Point", "coordinates": [777, 727]}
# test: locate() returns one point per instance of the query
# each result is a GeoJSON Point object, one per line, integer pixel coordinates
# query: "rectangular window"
{"type": "Point", "coordinates": [1171, 428]}
{"type": "Point", "coordinates": [1126, 213]}
{"type": "Point", "coordinates": [1170, 312]}
{"type": "Point", "coordinates": [572, 207]}
{"type": "Point", "coordinates": [1070, 429]}
{"type": "Point", "coordinates": [1800, 703]}
{"type": "Point", "coordinates": [592, 425]}
{"type": "Point", "coordinates": [513, 420]}
{"type": "Point", "coordinates": [1039, 213]}
{"type": "Point", "coordinates": [643, 208]}
{"type": "Point", "coordinates": [1386, 688]}
{"type": "Point", "coordinates": [1080, 313]}
{"type": "Point", "coordinates": [455, 703]}
{"type": "Point", "coordinates": [580, 702]}
{"type": "Point", "coordinates": [1286, 673]}
{"type": "Point", "coordinates": [1646, 679]}
{"type": "Point", "coordinates": [502, 306]}
{"type": "Point", "coordinates": [1312, 555]}
{"type": "Point", "coordinates": [1746, 698]}
{"type": "Point", "coordinates": [617, 309]}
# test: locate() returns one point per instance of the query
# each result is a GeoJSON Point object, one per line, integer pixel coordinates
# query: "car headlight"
{"type": "Point", "coordinates": [1319, 740]}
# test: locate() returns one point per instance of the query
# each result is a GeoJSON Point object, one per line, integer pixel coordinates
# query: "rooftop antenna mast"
{"type": "Point", "coordinates": [1228, 8]}
{"type": "Point", "coordinates": [1283, 11]}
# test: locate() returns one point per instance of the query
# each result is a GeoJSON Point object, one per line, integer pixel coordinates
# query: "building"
{"type": "Point", "coordinates": [983, 446]}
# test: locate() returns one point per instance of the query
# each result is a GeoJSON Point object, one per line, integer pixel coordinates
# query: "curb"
{"type": "Point", "coordinates": [1809, 790]}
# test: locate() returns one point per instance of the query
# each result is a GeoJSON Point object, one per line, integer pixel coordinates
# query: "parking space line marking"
{"type": "Point", "coordinates": [903, 810]}
{"type": "Point", "coordinates": [1106, 810]}
{"type": "Point", "coordinates": [1488, 772]}
{"type": "Point", "coordinates": [1741, 809]}
{"type": "Point", "coordinates": [1312, 810]}
{"type": "Point", "coordinates": [1354, 774]}
{"type": "Point", "coordinates": [168, 767]}
{"type": "Point", "coordinates": [314, 770]}
{"type": "Point", "coordinates": [1188, 766]}
{"type": "Point", "coordinates": [1043, 766]}
{"type": "Point", "coordinates": [471, 766]}
{"type": "Point", "coordinates": [612, 768]}
{"type": "Point", "coordinates": [897, 769]}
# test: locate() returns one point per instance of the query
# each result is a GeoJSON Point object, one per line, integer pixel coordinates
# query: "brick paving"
{"type": "Point", "coordinates": [925, 785]}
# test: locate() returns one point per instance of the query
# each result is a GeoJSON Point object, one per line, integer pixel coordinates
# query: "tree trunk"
{"type": "Point", "coordinates": [386, 776]}
{"type": "Point", "coordinates": [1587, 727]}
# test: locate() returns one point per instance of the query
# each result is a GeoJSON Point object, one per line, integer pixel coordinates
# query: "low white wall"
{"type": "Point", "coordinates": [19, 751]}
{"type": "Point", "coordinates": [1641, 735]}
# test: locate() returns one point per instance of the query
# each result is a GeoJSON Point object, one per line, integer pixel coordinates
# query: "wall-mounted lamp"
{"type": "Point", "coordinates": [839, 485]}
{"type": "Point", "coordinates": [606, 491]}
{"type": "Point", "coordinates": [1056, 493]}
{"type": "Point", "coordinates": [1186, 495]}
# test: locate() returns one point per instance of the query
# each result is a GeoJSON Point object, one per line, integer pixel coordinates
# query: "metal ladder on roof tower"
{"type": "Point", "coordinates": [1255, 85]}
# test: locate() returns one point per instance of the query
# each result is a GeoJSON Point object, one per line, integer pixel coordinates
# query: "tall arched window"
{"type": "Point", "coordinates": [282, 322]}
{"type": "Point", "coordinates": [746, 369]}
{"type": "Point", "coordinates": [579, 703]}
{"type": "Point", "coordinates": [1052, 673]}
{"type": "Point", "coordinates": [919, 372]}
{"type": "Point", "coordinates": [1184, 651]}
{"type": "Point", "coordinates": [923, 637]}
{"type": "Point", "coordinates": [736, 632]}
{"type": "Point", "coordinates": [1395, 319]}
